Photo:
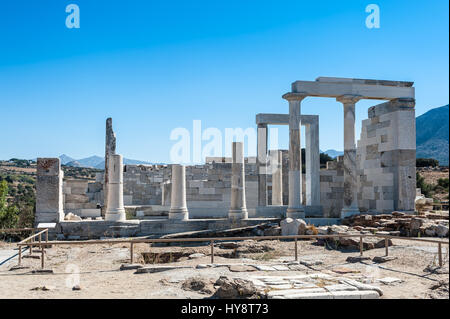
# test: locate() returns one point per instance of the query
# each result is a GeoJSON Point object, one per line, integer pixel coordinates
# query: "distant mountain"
{"type": "Point", "coordinates": [432, 135]}
{"type": "Point", "coordinates": [126, 161]}
{"type": "Point", "coordinates": [333, 153]}
{"type": "Point", "coordinates": [73, 164]}
{"type": "Point", "coordinates": [95, 162]}
{"type": "Point", "coordinates": [91, 161]}
{"type": "Point", "coordinates": [66, 159]}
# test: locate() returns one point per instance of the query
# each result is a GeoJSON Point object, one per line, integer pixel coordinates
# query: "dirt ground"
{"type": "Point", "coordinates": [96, 269]}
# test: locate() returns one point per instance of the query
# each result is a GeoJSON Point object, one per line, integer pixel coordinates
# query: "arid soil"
{"type": "Point", "coordinates": [96, 269]}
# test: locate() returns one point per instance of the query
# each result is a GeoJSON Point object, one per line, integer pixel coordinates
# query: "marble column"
{"type": "Point", "coordinates": [276, 164]}
{"type": "Point", "coordinates": [312, 162]}
{"type": "Point", "coordinates": [261, 164]}
{"type": "Point", "coordinates": [115, 210]}
{"type": "Point", "coordinates": [295, 207]}
{"type": "Point", "coordinates": [350, 206]}
{"type": "Point", "coordinates": [178, 207]}
{"type": "Point", "coordinates": [238, 209]}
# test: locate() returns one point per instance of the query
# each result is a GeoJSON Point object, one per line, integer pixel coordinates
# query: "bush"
{"type": "Point", "coordinates": [427, 162]}
{"type": "Point", "coordinates": [443, 182]}
{"type": "Point", "coordinates": [9, 214]}
{"type": "Point", "coordinates": [427, 189]}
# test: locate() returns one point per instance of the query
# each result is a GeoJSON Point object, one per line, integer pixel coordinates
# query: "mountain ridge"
{"type": "Point", "coordinates": [432, 134]}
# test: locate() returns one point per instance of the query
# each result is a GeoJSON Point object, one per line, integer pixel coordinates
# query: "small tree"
{"type": "Point", "coordinates": [425, 188]}
{"type": "Point", "coordinates": [8, 213]}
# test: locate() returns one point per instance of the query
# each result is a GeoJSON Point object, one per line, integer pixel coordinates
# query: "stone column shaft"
{"type": "Point", "coordinates": [261, 163]}
{"type": "Point", "coordinates": [276, 164]}
{"type": "Point", "coordinates": [115, 210]}
{"type": "Point", "coordinates": [238, 209]}
{"type": "Point", "coordinates": [312, 164]}
{"type": "Point", "coordinates": [350, 206]}
{"type": "Point", "coordinates": [295, 207]}
{"type": "Point", "coordinates": [178, 206]}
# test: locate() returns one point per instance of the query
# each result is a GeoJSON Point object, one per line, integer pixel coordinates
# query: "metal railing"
{"type": "Point", "coordinates": [212, 240]}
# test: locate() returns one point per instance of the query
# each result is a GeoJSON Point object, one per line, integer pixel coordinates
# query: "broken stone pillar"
{"type": "Point", "coordinates": [115, 209]}
{"type": "Point", "coordinates": [350, 206]}
{"type": "Point", "coordinates": [110, 149]}
{"type": "Point", "coordinates": [295, 207]}
{"type": "Point", "coordinates": [238, 209]}
{"type": "Point", "coordinates": [49, 194]}
{"type": "Point", "coordinates": [312, 162]}
{"type": "Point", "coordinates": [261, 164]}
{"type": "Point", "coordinates": [276, 164]}
{"type": "Point", "coordinates": [178, 207]}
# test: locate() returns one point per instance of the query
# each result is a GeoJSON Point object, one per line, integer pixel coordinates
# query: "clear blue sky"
{"type": "Point", "coordinates": [157, 65]}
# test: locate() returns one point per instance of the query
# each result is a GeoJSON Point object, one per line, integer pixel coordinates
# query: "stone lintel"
{"type": "Point", "coordinates": [365, 81]}
{"type": "Point", "coordinates": [283, 119]}
{"type": "Point", "coordinates": [366, 91]}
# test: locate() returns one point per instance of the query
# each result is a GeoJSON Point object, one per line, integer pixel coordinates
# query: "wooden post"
{"type": "Point", "coordinates": [386, 245]}
{"type": "Point", "coordinates": [296, 251]}
{"type": "Point", "coordinates": [20, 255]}
{"type": "Point", "coordinates": [42, 257]}
{"type": "Point", "coordinates": [440, 254]}
{"type": "Point", "coordinates": [212, 251]}
{"type": "Point", "coordinates": [46, 235]}
{"type": "Point", "coordinates": [131, 253]}
{"type": "Point", "coordinates": [361, 245]}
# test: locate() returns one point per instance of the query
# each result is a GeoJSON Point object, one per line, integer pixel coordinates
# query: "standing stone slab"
{"type": "Point", "coordinates": [110, 149]}
{"type": "Point", "coordinates": [49, 194]}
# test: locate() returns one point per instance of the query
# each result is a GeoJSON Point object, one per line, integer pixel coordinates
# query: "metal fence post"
{"type": "Point", "coordinates": [440, 254]}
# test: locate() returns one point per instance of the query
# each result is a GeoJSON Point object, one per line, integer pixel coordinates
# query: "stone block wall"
{"type": "Point", "coordinates": [82, 197]}
{"type": "Point", "coordinates": [386, 155]}
{"type": "Point", "coordinates": [142, 184]}
{"type": "Point", "coordinates": [332, 188]}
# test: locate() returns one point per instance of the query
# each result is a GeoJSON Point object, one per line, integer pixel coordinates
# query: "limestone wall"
{"type": "Point", "coordinates": [386, 156]}
{"type": "Point", "coordinates": [82, 197]}
{"type": "Point", "coordinates": [332, 188]}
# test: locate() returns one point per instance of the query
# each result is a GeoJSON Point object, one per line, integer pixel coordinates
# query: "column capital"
{"type": "Point", "coordinates": [348, 98]}
{"type": "Point", "coordinates": [294, 96]}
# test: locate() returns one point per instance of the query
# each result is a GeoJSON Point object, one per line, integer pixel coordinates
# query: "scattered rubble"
{"type": "Point", "coordinates": [428, 224]}
{"type": "Point", "coordinates": [439, 290]}
{"type": "Point", "coordinates": [390, 281]}
{"type": "Point", "coordinates": [383, 259]}
{"type": "Point", "coordinates": [42, 288]}
{"type": "Point", "coordinates": [229, 288]}
{"type": "Point", "coordinates": [200, 285]}
{"type": "Point", "coordinates": [72, 216]}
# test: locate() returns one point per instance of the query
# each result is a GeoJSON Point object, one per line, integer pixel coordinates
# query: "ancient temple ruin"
{"type": "Point", "coordinates": [376, 174]}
